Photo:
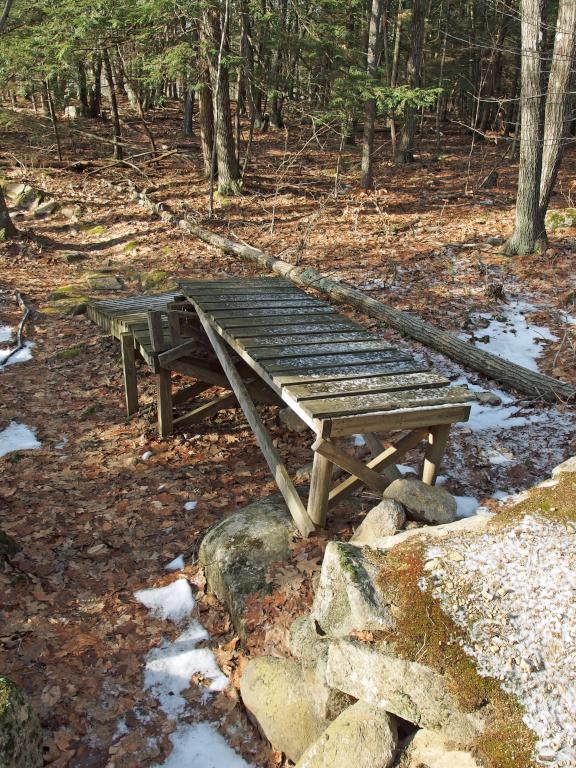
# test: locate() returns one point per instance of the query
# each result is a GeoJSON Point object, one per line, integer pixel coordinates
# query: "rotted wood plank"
{"type": "Point", "coordinates": [340, 372]}
{"type": "Point", "coordinates": [386, 401]}
{"type": "Point", "coordinates": [320, 348]}
{"type": "Point", "coordinates": [389, 421]}
{"type": "Point", "coordinates": [390, 456]}
{"type": "Point", "coordinates": [314, 362]}
{"type": "Point", "coordinates": [362, 386]}
{"type": "Point", "coordinates": [269, 451]}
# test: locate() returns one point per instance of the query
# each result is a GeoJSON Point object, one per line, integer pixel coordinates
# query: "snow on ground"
{"type": "Point", "coordinates": [514, 590]}
{"type": "Point", "coordinates": [190, 505]}
{"type": "Point", "coordinates": [175, 565]}
{"type": "Point", "coordinates": [5, 333]}
{"type": "Point", "coordinates": [19, 357]}
{"type": "Point", "coordinates": [174, 602]}
{"type": "Point", "coordinates": [17, 437]}
{"type": "Point", "coordinates": [168, 673]}
{"type": "Point", "coordinates": [466, 506]}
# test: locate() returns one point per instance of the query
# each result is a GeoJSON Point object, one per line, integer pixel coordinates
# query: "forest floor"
{"type": "Point", "coordinates": [99, 508]}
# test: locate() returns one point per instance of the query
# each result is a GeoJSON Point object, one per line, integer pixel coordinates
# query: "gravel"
{"type": "Point", "coordinates": [514, 590]}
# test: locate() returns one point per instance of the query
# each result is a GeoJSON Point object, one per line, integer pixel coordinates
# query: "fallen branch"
{"type": "Point", "coordinates": [20, 332]}
{"type": "Point", "coordinates": [514, 376]}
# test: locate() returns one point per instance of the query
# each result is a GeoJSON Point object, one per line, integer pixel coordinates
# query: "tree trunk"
{"type": "Point", "coordinates": [116, 132]}
{"type": "Point", "coordinates": [247, 50]}
{"type": "Point", "coordinates": [83, 89]}
{"type": "Point", "coordinates": [95, 92]}
{"type": "Point", "coordinates": [557, 100]}
{"type": "Point", "coordinates": [394, 70]}
{"type": "Point", "coordinates": [405, 151]}
{"type": "Point", "coordinates": [374, 49]}
{"type": "Point", "coordinates": [206, 119]}
{"type": "Point", "coordinates": [189, 112]}
{"type": "Point", "coordinates": [7, 228]}
{"type": "Point", "coordinates": [216, 37]}
{"type": "Point", "coordinates": [529, 231]}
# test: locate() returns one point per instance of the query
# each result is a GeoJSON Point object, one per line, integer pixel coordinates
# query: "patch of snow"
{"type": "Point", "coordinates": [21, 356]}
{"type": "Point", "coordinates": [513, 337]}
{"type": "Point", "coordinates": [359, 440]}
{"type": "Point", "coordinates": [5, 333]}
{"type": "Point", "coordinates": [201, 746]}
{"type": "Point", "coordinates": [62, 444]}
{"type": "Point", "coordinates": [121, 729]}
{"type": "Point", "coordinates": [466, 506]}
{"type": "Point", "coordinates": [174, 602]}
{"type": "Point", "coordinates": [17, 437]}
{"type": "Point", "coordinates": [405, 469]}
{"type": "Point", "coordinates": [175, 565]}
{"type": "Point", "coordinates": [169, 669]}
{"type": "Point", "coordinates": [147, 455]}
{"type": "Point", "coordinates": [520, 615]}
{"type": "Point", "coordinates": [190, 505]}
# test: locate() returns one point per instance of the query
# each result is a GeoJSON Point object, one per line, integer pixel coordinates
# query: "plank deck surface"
{"type": "Point", "coordinates": [323, 365]}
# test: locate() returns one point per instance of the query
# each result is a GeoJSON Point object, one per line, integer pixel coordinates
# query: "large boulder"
{"type": "Point", "coordinates": [347, 596]}
{"type": "Point", "coordinates": [364, 736]}
{"type": "Point", "coordinates": [20, 732]}
{"type": "Point", "coordinates": [235, 553]}
{"type": "Point", "coordinates": [430, 749]}
{"type": "Point", "coordinates": [407, 689]}
{"type": "Point", "coordinates": [308, 645]}
{"type": "Point", "coordinates": [279, 699]}
{"type": "Point", "coordinates": [385, 519]}
{"type": "Point", "coordinates": [426, 503]}
{"type": "Point", "coordinates": [566, 467]}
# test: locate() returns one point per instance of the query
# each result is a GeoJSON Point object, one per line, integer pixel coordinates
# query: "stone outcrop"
{"type": "Point", "coordinates": [425, 503]}
{"type": "Point", "coordinates": [236, 553]}
{"type": "Point", "coordinates": [363, 736]}
{"type": "Point", "coordinates": [385, 519]}
{"type": "Point", "coordinates": [407, 689]}
{"type": "Point", "coordinates": [347, 596]}
{"type": "Point", "coordinates": [20, 732]}
{"type": "Point", "coordinates": [279, 699]}
{"type": "Point", "coordinates": [430, 749]}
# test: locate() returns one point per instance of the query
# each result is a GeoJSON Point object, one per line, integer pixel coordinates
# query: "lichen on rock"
{"type": "Point", "coordinates": [20, 731]}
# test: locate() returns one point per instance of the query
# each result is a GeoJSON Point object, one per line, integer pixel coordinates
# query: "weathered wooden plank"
{"type": "Point", "coordinates": [129, 371]}
{"type": "Point", "coordinates": [241, 300]}
{"type": "Point", "coordinates": [385, 401]}
{"type": "Point", "coordinates": [209, 408]}
{"type": "Point", "coordinates": [273, 459]}
{"type": "Point", "coordinates": [386, 459]}
{"type": "Point", "coordinates": [314, 363]}
{"type": "Point", "coordinates": [299, 308]}
{"type": "Point", "coordinates": [324, 324]}
{"type": "Point", "coordinates": [437, 439]}
{"type": "Point", "coordinates": [320, 348]}
{"type": "Point", "coordinates": [186, 348]}
{"type": "Point", "coordinates": [319, 489]}
{"type": "Point", "coordinates": [350, 464]}
{"type": "Point", "coordinates": [259, 343]}
{"type": "Point", "coordinates": [361, 386]}
{"type": "Point", "coordinates": [286, 322]}
{"type": "Point", "coordinates": [390, 421]}
{"type": "Point", "coordinates": [348, 371]}
{"type": "Point", "coordinates": [164, 401]}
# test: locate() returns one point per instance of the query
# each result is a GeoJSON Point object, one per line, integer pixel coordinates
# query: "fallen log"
{"type": "Point", "coordinates": [531, 383]}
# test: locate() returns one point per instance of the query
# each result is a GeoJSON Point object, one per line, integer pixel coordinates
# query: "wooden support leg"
{"type": "Point", "coordinates": [129, 370]}
{"type": "Point", "coordinates": [437, 439]}
{"type": "Point", "coordinates": [392, 472]}
{"type": "Point", "coordinates": [319, 489]}
{"type": "Point", "coordinates": [165, 425]}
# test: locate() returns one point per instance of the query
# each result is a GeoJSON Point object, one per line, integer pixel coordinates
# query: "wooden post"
{"type": "Point", "coordinates": [164, 399]}
{"type": "Point", "coordinates": [129, 370]}
{"type": "Point", "coordinates": [437, 439]}
{"type": "Point", "coordinates": [319, 489]}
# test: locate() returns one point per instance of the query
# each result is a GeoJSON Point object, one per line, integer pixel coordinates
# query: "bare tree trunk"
{"type": "Point", "coordinates": [95, 92]}
{"type": "Point", "coordinates": [557, 100]}
{"type": "Point", "coordinates": [116, 132]}
{"type": "Point", "coordinates": [189, 112]}
{"type": "Point", "coordinates": [7, 228]}
{"type": "Point", "coordinates": [83, 89]}
{"type": "Point", "coordinates": [405, 151]}
{"type": "Point", "coordinates": [529, 231]}
{"type": "Point", "coordinates": [374, 49]}
{"type": "Point", "coordinates": [53, 118]}
{"type": "Point", "coordinates": [206, 119]}
{"type": "Point", "coordinates": [247, 50]}
{"type": "Point", "coordinates": [216, 36]}
{"type": "Point", "coordinates": [394, 70]}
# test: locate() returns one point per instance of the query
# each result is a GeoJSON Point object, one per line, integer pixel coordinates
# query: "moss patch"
{"type": "Point", "coordinates": [6, 688]}
{"type": "Point", "coordinates": [555, 503]}
{"type": "Point", "coordinates": [155, 278]}
{"type": "Point", "coordinates": [71, 352]}
{"type": "Point", "coordinates": [64, 292]}
{"type": "Point", "coordinates": [424, 633]}
{"type": "Point", "coordinates": [130, 246]}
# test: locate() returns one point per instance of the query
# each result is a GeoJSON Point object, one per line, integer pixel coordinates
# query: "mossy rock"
{"type": "Point", "coordinates": [74, 257]}
{"type": "Point", "coordinates": [97, 229]}
{"type": "Point", "coordinates": [560, 217]}
{"type": "Point", "coordinates": [155, 278]}
{"type": "Point", "coordinates": [100, 282]}
{"type": "Point", "coordinates": [130, 246]}
{"type": "Point", "coordinates": [72, 306]}
{"type": "Point", "coordinates": [71, 352]}
{"type": "Point", "coordinates": [20, 731]}
{"type": "Point", "coordinates": [65, 292]}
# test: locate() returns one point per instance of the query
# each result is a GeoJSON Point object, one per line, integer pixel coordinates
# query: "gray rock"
{"type": "Point", "coordinates": [385, 519]}
{"type": "Point", "coordinates": [363, 736]}
{"type": "Point", "coordinates": [488, 398]}
{"type": "Point", "coordinates": [407, 689]}
{"type": "Point", "coordinates": [236, 552]}
{"type": "Point", "coordinates": [304, 473]}
{"type": "Point", "coordinates": [46, 208]}
{"type": "Point", "coordinates": [279, 699]}
{"type": "Point", "coordinates": [103, 282]}
{"type": "Point", "coordinates": [567, 466]}
{"type": "Point", "coordinates": [73, 257]}
{"type": "Point", "coordinates": [495, 240]}
{"type": "Point", "coordinates": [426, 503]}
{"type": "Point", "coordinates": [347, 596]}
{"type": "Point", "coordinates": [557, 218]}
{"type": "Point", "coordinates": [24, 196]}
{"type": "Point", "coordinates": [291, 420]}
{"type": "Point", "coordinates": [432, 750]}
{"type": "Point", "coordinates": [308, 645]}
{"type": "Point", "coordinates": [20, 732]}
